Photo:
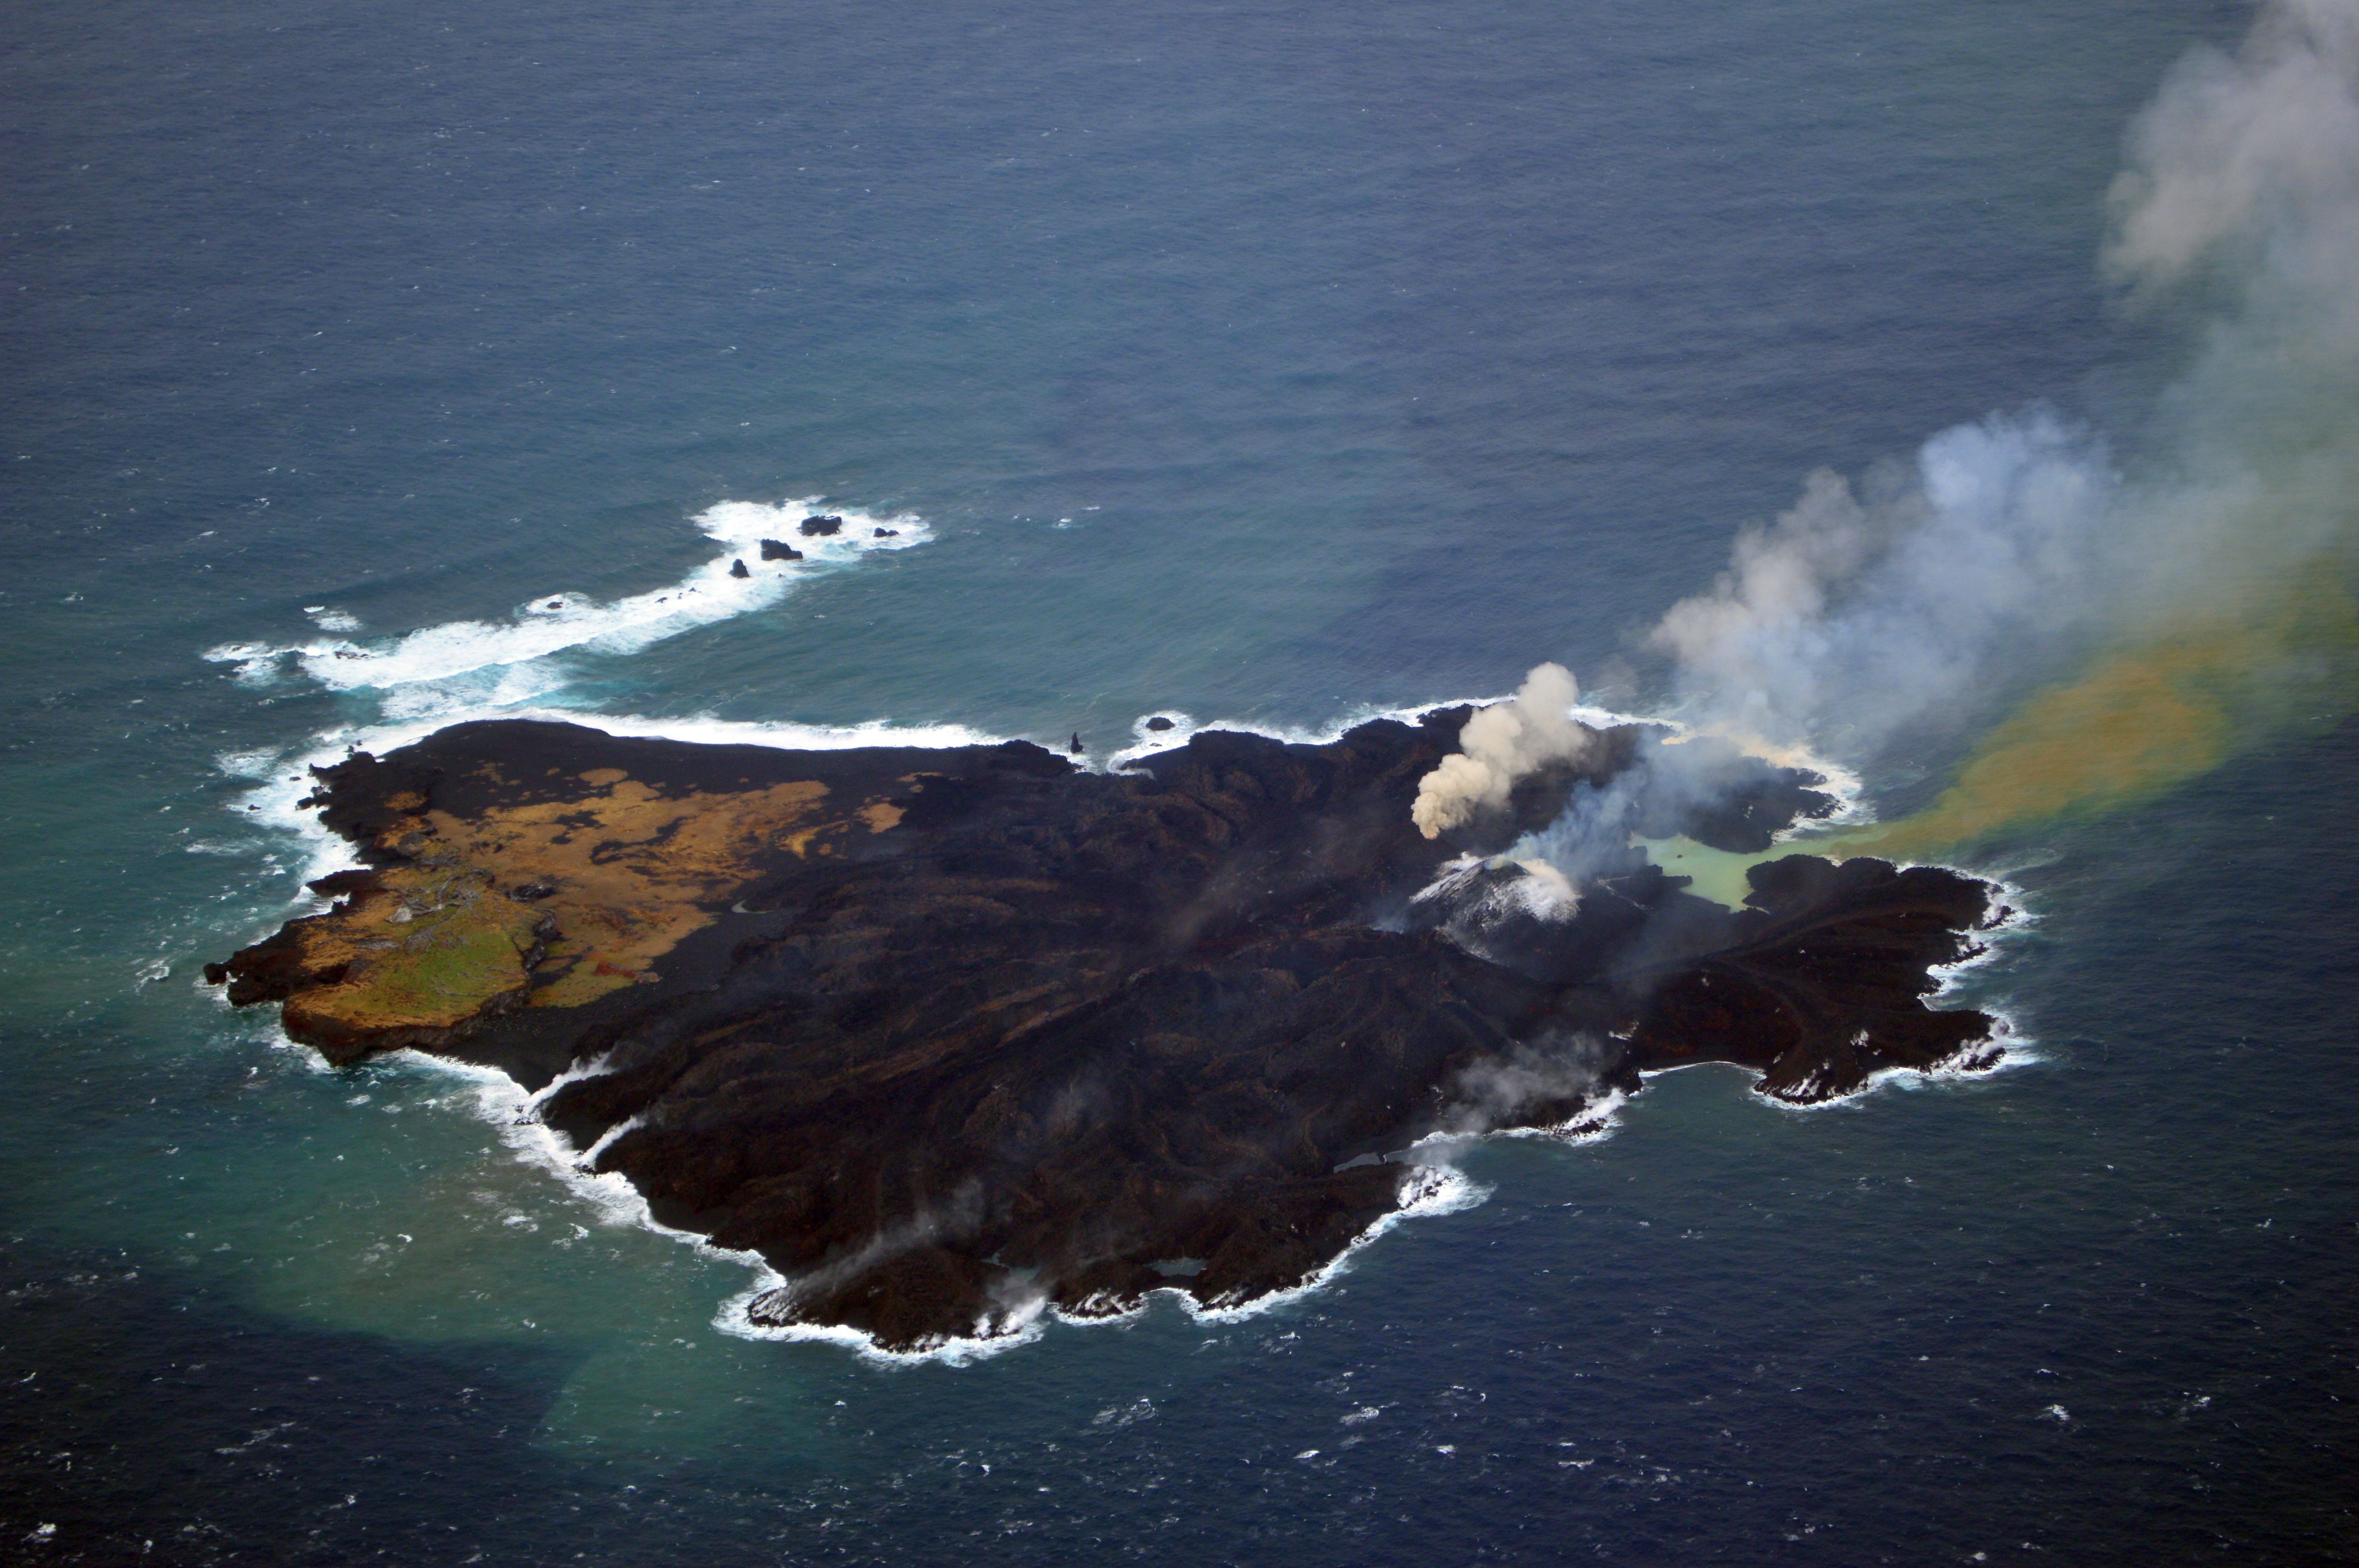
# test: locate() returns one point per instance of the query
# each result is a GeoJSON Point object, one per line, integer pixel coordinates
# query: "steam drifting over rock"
{"type": "Point", "coordinates": [953, 1037]}
{"type": "Point", "coordinates": [2149, 617]}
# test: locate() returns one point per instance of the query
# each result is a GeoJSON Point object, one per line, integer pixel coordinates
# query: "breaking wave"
{"type": "Point", "coordinates": [561, 621]}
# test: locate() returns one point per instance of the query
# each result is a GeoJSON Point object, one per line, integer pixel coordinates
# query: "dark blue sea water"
{"type": "Point", "coordinates": [1267, 363]}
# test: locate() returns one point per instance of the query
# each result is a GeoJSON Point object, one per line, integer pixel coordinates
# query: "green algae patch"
{"type": "Point", "coordinates": [459, 962]}
{"type": "Point", "coordinates": [548, 898]}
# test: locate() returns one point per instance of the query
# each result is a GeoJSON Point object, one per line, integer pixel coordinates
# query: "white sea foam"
{"type": "Point", "coordinates": [1145, 743]}
{"type": "Point", "coordinates": [607, 1140]}
{"type": "Point", "coordinates": [1437, 1187]}
{"type": "Point", "coordinates": [1974, 1063]}
{"type": "Point", "coordinates": [1843, 784]}
{"type": "Point", "coordinates": [1148, 742]}
{"type": "Point", "coordinates": [597, 1067]}
{"type": "Point", "coordinates": [499, 1100]}
{"type": "Point", "coordinates": [1335, 728]}
{"type": "Point", "coordinates": [1595, 1121]}
{"type": "Point", "coordinates": [1011, 1330]}
{"type": "Point", "coordinates": [2015, 1049]}
{"type": "Point", "coordinates": [558, 621]}
{"type": "Point", "coordinates": [1992, 941]}
{"type": "Point", "coordinates": [280, 778]}
{"type": "Point", "coordinates": [1431, 1189]}
{"type": "Point", "coordinates": [2004, 1049]}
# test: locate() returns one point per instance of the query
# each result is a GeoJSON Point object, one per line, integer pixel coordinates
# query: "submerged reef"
{"type": "Point", "coordinates": [950, 1035]}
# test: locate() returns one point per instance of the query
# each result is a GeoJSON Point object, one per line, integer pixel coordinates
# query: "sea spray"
{"type": "Point", "coordinates": [483, 663]}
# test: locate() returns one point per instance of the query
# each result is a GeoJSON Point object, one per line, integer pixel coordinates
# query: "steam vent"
{"type": "Point", "coordinates": [948, 1036]}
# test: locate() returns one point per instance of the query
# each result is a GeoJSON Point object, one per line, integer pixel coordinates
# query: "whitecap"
{"type": "Point", "coordinates": [1435, 1188]}
{"type": "Point", "coordinates": [499, 1100]}
{"type": "Point", "coordinates": [1596, 1120]}
{"type": "Point", "coordinates": [957, 1351]}
{"type": "Point", "coordinates": [556, 621]}
{"type": "Point", "coordinates": [1429, 1190]}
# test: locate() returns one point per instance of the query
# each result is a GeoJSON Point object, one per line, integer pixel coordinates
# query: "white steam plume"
{"type": "Point", "coordinates": [1500, 1091]}
{"type": "Point", "coordinates": [1856, 615]}
{"type": "Point", "coordinates": [2257, 148]}
{"type": "Point", "coordinates": [2015, 540]}
{"type": "Point", "coordinates": [1499, 745]}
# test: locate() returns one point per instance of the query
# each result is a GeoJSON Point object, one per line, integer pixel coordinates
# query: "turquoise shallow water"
{"type": "Point", "coordinates": [1259, 366]}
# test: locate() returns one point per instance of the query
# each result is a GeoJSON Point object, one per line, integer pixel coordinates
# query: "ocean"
{"type": "Point", "coordinates": [371, 368]}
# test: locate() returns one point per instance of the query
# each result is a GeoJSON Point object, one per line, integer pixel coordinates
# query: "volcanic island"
{"type": "Point", "coordinates": [951, 1035]}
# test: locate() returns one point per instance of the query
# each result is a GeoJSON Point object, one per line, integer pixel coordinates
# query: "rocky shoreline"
{"type": "Point", "coordinates": [947, 1034]}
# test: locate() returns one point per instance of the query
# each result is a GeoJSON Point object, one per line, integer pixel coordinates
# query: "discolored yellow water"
{"type": "Point", "coordinates": [2141, 720]}
{"type": "Point", "coordinates": [1716, 874]}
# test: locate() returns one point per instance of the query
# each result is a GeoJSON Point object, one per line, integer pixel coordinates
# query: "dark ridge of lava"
{"type": "Point", "coordinates": [946, 1033]}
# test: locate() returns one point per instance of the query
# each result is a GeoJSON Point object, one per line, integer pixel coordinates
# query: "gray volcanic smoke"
{"type": "Point", "coordinates": [2192, 592]}
{"type": "Point", "coordinates": [1500, 744]}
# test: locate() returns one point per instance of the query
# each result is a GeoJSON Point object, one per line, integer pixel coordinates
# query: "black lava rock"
{"type": "Point", "coordinates": [1049, 1028]}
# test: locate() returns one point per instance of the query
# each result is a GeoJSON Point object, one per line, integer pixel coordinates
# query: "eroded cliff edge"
{"type": "Point", "coordinates": [943, 1033]}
